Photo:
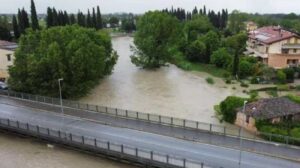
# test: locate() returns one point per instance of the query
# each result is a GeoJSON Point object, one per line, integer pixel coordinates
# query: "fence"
{"type": "Point", "coordinates": [143, 156]}
{"type": "Point", "coordinates": [171, 121]}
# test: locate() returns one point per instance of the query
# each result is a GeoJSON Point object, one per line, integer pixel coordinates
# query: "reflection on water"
{"type": "Point", "coordinates": [167, 91]}
{"type": "Point", "coordinates": [16, 152]}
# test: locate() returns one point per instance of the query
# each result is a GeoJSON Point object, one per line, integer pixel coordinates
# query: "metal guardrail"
{"type": "Point", "coordinates": [144, 156]}
{"type": "Point", "coordinates": [171, 121]}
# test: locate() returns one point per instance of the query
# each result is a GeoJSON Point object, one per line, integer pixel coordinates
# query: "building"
{"type": "Point", "coordinates": [275, 110]}
{"type": "Point", "coordinates": [6, 58]}
{"type": "Point", "coordinates": [250, 26]}
{"type": "Point", "coordinates": [274, 46]}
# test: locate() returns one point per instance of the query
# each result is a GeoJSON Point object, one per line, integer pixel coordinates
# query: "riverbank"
{"type": "Point", "coordinates": [21, 152]}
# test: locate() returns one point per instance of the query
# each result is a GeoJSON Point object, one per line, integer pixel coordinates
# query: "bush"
{"type": "Point", "coordinates": [253, 95]}
{"type": "Point", "coordinates": [245, 69]}
{"type": "Point", "coordinates": [243, 84]}
{"type": "Point", "coordinates": [210, 80]}
{"type": "Point", "coordinates": [290, 74]}
{"type": "Point", "coordinates": [229, 107]}
{"type": "Point", "coordinates": [297, 87]}
{"type": "Point", "coordinates": [221, 58]}
{"type": "Point", "coordinates": [272, 93]}
{"type": "Point", "coordinates": [295, 132]}
{"type": "Point", "coordinates": [78, 55]}
{"type": "Point", "coordinates": [281, 77]}
{"type": "Point", "coordinates": [254, 80]}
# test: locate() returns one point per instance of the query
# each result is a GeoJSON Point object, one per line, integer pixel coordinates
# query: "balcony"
{"type": "Point", "coordinates": [253, 52]}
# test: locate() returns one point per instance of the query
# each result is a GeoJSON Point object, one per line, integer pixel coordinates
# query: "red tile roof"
{"type": "Point", "coordinates": [271, 34]}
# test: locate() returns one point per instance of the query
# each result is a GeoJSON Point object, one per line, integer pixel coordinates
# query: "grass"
{"type": "Point", "coordinates": [183, 63]}
{"type": "Point", "coordinates": [210, 80]}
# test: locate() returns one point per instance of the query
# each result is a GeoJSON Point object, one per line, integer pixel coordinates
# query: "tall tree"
{"type": "Point", "coordinates": [16, 27]}
{"type": "Point", "coordinates": [99, 19]}
{"type": "Point", "coordinates": [72, 19]}
{"type": "Point", "coordinates": [89, 19]}
{"type": "Point", "coordinates": [94, 19]}
{"type": "Point", "coordinates": [49, 19]}
{"type": "Point", "coordinates": [25, 18]}
{"type": "Point", "coordinates": [55, 17]}
{"type": "Point", "coordinates": [34, 18]}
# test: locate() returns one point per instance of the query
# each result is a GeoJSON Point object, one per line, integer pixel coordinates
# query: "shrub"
{"type": "Point", "coordinates": [221, 58]}
{"type": "Point", "coordinates": [210, 80]}
{"type": "Point", "coordinates": [297, 87]}
{"type": "Point", "coordinates": [243, 84]}
{"type": "Point", "coordinates": [295, 132]}
{"type": "Point", "coordinates": [281, 76]}
{"type": "Point", "coordinates": [272, 93]}
{"type": "Point", "coordinates": [290, 74]}
{"type": "Point", "coordinates": [253, 95]}
{"type": "Point", "coordinates": [245, 69]}
{"type": "Point", "coordinates": [254, 80]}
{"type": "Point", "coordinates": [229, 106]}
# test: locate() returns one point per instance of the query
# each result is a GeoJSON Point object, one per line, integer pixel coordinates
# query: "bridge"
{"type": "Point", "coordinates": [143, 138]}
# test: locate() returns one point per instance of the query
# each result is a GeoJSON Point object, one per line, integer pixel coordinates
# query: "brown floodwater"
{"type": "Point", "coordinates": [166, 91]}
{"type": "Point", "coordinates": [18, 152]}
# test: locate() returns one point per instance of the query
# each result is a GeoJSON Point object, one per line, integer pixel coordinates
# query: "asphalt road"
{"type": "Point", "coordinates": [178, 132]}
{"type": "Point", "coordinates": [212, 155]}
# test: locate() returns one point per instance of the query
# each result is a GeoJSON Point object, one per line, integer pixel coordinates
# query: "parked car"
{"type": "Point", "coordinates": [3, 86]}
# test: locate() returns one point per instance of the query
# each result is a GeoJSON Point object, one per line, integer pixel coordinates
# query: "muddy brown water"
{"type": "Point", "coordinates": [20, 152]}
{"type": "Point", "coordinates": [167, 91]}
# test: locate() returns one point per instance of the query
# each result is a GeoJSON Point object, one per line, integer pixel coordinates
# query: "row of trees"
{"type": "Point", "coordinates": [197, 40]}
{"type": "Point", "coordinates": [61, 18]}
{"type": "Point", "coordinates": [21, 22]}
{"type": "Point", "coordinates": [218, 19]}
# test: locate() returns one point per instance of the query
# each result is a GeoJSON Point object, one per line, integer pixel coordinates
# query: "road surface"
{"type": "Point", "coordinates": [211, 155]}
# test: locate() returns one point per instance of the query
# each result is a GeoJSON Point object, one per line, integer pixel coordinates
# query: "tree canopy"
{"type": "Point", "coordinates": [156, 33]}
{"type": "Point", "coordinates": [78, 55]}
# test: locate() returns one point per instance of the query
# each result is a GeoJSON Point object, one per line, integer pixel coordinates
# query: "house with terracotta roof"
{"type": "Point", "coordinates": [274, 46]}
{"type": "Point", "coordinates": [6, 58]}
{"type": "Point", "coordinates": [274, 110]}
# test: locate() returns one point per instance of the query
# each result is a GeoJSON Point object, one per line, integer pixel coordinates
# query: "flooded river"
{"type": "Point", "coordinates": [166, 91]}
{"type": "Point", "coordinates": [17, 152]}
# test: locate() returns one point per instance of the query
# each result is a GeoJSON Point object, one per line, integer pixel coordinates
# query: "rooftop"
{"type": "Point", "coordinates": [8, 45]}
{"type": "Point", "coordinates": [271, 34]}
{"type": "Point", "coordinates": [272, 108]}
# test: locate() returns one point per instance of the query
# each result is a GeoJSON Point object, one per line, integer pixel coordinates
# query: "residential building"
{"type": "Point", "coordinates": [6, 58]}
{"type": "Point", "coordinates": [274, 110]}
{"type": "Point", "coordinates": [250, 26]}
{"type": "Point", "coordinates": [274, 46]}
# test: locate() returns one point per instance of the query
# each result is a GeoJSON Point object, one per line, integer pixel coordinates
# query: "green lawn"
{"type": "Point", "coordinates": [181, 62]}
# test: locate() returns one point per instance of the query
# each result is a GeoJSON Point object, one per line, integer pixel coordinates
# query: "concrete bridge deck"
{"type": "Point", "coordinates": [209, 154]}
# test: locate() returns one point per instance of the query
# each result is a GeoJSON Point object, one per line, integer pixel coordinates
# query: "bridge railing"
{"type": "Point", "coordinates": [121, 151]}
{"type": "Point", "coordinates": [159, 119]}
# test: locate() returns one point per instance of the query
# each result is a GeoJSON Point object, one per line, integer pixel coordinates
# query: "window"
{"type": "Point", "coordinates": [8, 57]}
{"type": "Point", "coordinates": [295, 50]}
{"type": "Point", "coordinates": [285, 51]}
{"type": "Point", "coordinates": [267, 49]}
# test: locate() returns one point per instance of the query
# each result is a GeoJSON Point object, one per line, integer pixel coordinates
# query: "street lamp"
{"type": "Point", "coordinates": [241, 133]}
{"type": "Point", "coordinates": [60, 95]}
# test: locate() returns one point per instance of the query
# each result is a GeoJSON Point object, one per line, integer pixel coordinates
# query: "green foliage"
{"type": "Point", "coordinates": [298, 87]}
{"type": "Point", "coordinates": [198, 26]}
{"type": "Point", "coordinates": [283, 87]}
{"type": "Point", "coordinates": [34, 18]}
{"type": "Point", "coordinates": [221, 58]}
{"type": "Point", "coordinates": [243, 84]}
{"type": "Point", "coordinates": [80, 56]}
{"type": "Point", "coordinates": [236, 44]}
{"type": "Point", "coordinates": [236, 21]}
{"type": "Point", "coordinates": [294, 98]}
{"type": "Point", "coordinates": [272, 93]}
{"type": "Point", "coordinates": [196, 51]}
{"type": "Point", "coordinates": [229, 107]}
{"type": "Point", "coordinates": [290, 74]}
{"type": "Point", "coordinates": [245, 69]}
{"type": "Point", "coordinates": [156, 33]}
{"type": "Point", "coordinates": [281, 76]}
{"type": "Point", "coordinates": [210, 80]}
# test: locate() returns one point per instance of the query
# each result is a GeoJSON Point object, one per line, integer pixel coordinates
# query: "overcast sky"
{"type": "Point", "coordinates": [140, 6]}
